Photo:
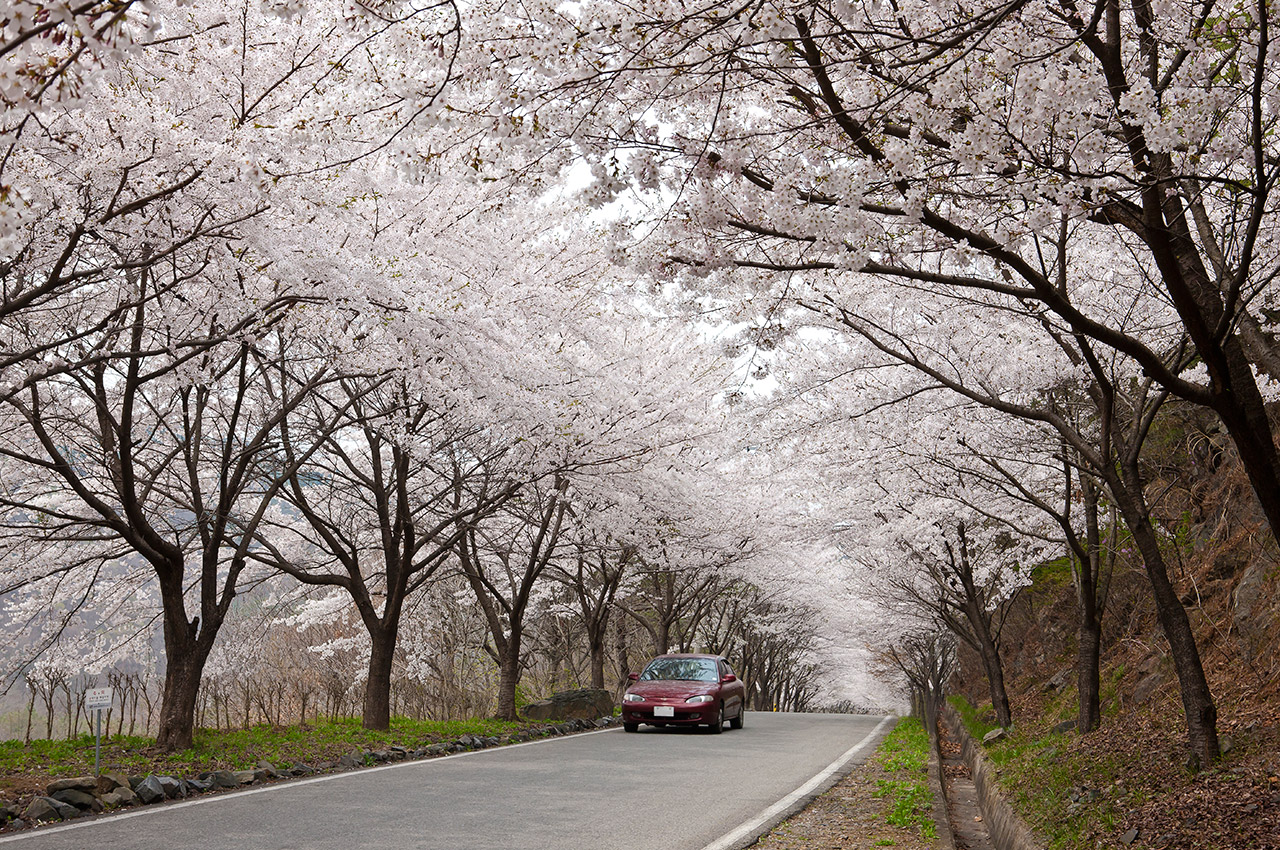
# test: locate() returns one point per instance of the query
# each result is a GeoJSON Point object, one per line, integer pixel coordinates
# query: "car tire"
{"type": "Point", "coordinates": [630, 727]}
{"type": "Point", "coordinates": [718, 726]}
{"type": "Point", "coordinates": [736, 723]}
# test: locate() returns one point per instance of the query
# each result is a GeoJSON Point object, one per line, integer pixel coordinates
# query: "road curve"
{"type": "Point", "coordinates": [655, 790]}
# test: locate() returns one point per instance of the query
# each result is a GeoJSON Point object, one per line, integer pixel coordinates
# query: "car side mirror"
{"type": "Point", "coordinates": [634, 677]}
{"type": "Point", "coordinates": [729, 677]}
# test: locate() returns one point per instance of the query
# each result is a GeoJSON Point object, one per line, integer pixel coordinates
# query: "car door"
{"type": "Point", "coordinates": [732, 693]}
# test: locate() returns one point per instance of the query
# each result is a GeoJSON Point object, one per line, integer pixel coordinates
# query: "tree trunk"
{"type": "Point", "coordinates": [184, 666]}
{"type": "Point", "coordinates": [995, 679]}
{"type": "Point", "coordinates": [596, 641]}
{"type": "Point", "coordinates": [1088, 651]}
{"type": "Point", "coordinates": [377, 689]}
{"type": "Point", "coordinates": [1197, 700]}
{"type": "Point", "coordinates": [509, 677]}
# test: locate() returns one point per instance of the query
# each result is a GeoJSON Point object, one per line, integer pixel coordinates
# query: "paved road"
{"type": "Point", "coordinates": [656, 790]}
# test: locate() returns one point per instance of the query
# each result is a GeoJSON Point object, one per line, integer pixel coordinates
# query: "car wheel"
{"type": "Point", "coordinates": [718, 726]}
{"type": "Point", "coordinates": [630, 727]}
{"type": "Point", "coordinates": [736, 723]}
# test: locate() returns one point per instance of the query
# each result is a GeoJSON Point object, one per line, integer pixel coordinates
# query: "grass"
{"type": "Point", "coordinates": [1039, 771]}
{"type": "Point", "coordinates": [905, 756]}
{"type": "Point", "coordinates": [237, 748]}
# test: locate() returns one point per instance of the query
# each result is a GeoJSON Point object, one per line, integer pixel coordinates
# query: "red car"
{"type": "Point", "coordinates": [684, 690]}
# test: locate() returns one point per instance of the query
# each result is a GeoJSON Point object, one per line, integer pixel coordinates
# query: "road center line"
{"type": "Point", "coordinates": [748, 832]}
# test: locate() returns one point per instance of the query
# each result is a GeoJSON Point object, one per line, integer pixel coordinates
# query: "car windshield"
{"type": "Point", "coordinates": [689, 669]}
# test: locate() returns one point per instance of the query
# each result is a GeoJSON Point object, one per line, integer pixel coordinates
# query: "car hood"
{"type": "Point", "coordinates": [671, 688]}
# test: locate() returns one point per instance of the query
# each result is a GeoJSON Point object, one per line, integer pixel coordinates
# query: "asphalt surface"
{"type": "Point", "coordinates": [657, 789]}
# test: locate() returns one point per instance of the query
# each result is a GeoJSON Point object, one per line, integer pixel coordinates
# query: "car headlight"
{"type": "Point", "coordinates": [632, 698]}
{"type": "Point", "coordinates": [700, 698]}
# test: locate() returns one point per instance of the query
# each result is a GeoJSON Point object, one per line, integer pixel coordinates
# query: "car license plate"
{"type": "Point", "coordinates": [663, 711]}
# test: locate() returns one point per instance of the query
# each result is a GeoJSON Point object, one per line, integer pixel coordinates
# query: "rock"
{"type": "Point", "coordinates": [1060, 679]}
{"type": "Point", "coordinates": [224, 779]}
{"type": "Point", "coordinates": [437, 749]}
{"type": "Point", "coordinates": [1066, 726]}
{"type": "Point", "coordinates": [118, 797]}
{"type": "Point", "coordinates": [301, 769]}
{"type": "Point", "coordinates": [44, 809]}
{"type": "Point", "coordinates": [199, 785]}
{"type": "Point", "coordinates": [1226, 744]}
{"type": "Point", "coordinates": [149, 790]}
{"type": "Point", "coordinates": [109, 782]}
{"type": "Point", "coordinates": [326, 765]}
{"type": "Point", "coordinates": [603, 722]}
{"type": "Point", "coordinates": [8, 811]}
{"type": "Point", "coordinates": [1148, 685]}
{"type": "Point", "coordinates": [1245, 597]}
{"type": "Point", "coordinates": [355, 758]}
{"type": "Point", "coordinates": [380, 756]}
{"type": "Point", "coordinates": [245, 777]}
{"type": "Point", "coordinates": [134, 779]}
{"type": "Point", "coordinates": [581, 704]}
{"type": "Point", "coordinates": [82, 800]}
{"type": "Point", "coordinates": [1129, 837]}
{"type": "Point", "coordinates": [268, 769]}
{"type": "Point", "coordinates": [997, 734]}
{"type": "Point", "coordinates": [173, 788]}
{"type": "Point", "coordinates": [79, 783]}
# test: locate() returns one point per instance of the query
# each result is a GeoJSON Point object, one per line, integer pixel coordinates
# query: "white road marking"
{"type": "Point", "coordinates": [749, 831]}
{"type": "Point", "coordinates": [279, 786]}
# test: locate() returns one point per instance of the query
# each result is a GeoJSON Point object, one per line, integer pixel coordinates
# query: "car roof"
{"type": "Point", "coordinates": [692, 655]}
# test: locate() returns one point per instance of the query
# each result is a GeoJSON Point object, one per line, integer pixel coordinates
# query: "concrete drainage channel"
{"type": "Point", "coordinates": [980, 818]}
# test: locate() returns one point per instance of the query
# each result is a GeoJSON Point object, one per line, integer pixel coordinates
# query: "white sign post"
{"type": "Point", "coordinates": [96, 699]}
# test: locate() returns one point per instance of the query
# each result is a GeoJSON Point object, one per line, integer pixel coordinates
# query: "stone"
{"type": "Point", "coordinates": [997, 734]}
{"type": "Point", "coordinates": [580, 704]}
{"type": "Point", "coordinates": [199, 785]}
{"type": "Point", "coordinates": [1129, 837]}
{"type": "Point", "coordinates": [603, 722]}
{"type": "Point", "coordinates": [1060, 679]}
{"type": "Point", "coordinates": [8, 811]}
{"type": "Point", "coordinates": [1066, 726]}
{"type": "Point", "coordinates": [268, 769]}
{"type": "Point", "coordinates": [1245, 597]}
{"type": "Point", "coordinates": [381, 756]}
{"type": "Point", "coordinates": [224, 779]}
{"type": "Point", "coordinates": [173, 788]}
{"type": "Point", "coordinates": [245, 777]}
{"type": "Point", "coordinates": [109, 782]}
{"type": "Point", "coordinates": [43, 809]}
{"type": "Point", "coordinates": [355, 758]}
{"type": "Point", "coordinates": [149, 790]}
{"type": "Point", "coordinates": [50, 808]}
{"type": "Point", "coordinates": [118, 797]}
{"type": "Point", "coordinates": [301, 769]}
{"type": "Point", "coordinates": [82, 800]}
{"type": "Point", "coordinates": [437, 749]}
{"type": "Point", "coordinates": [1226, 744]}
{"type": "Point", "coordinates": [77, 783]}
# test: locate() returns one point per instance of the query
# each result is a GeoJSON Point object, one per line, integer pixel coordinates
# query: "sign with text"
{"type": "Point", "coordinates": [96, 698]}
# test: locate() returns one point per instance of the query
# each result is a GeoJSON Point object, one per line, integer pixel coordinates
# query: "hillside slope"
{"type": "Point", "coordinates": [1127, 784]}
